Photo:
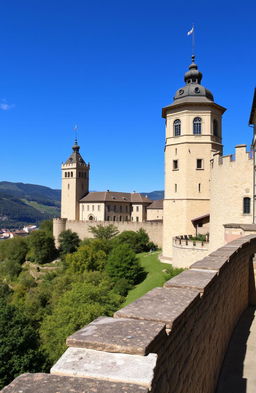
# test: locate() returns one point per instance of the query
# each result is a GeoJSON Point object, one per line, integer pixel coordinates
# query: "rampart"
{"type": "Point", "coordinates": [154, 229]}
{"type": "Point", "coordinates": [186, 251]}
{"type": "Point", "coordinates": [231, 181]}
{"type": "Point", "coordinates": [171, 340]}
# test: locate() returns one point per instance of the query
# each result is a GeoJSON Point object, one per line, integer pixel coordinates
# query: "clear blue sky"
{"type": "Point", "coordinates": [110, 66]}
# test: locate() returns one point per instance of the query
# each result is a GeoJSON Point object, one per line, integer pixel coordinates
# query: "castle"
{"type": "Point", "coordinates": [205, 192]}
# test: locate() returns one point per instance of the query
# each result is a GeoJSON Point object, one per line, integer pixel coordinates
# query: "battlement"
{"type": "Point", "coordinates": [241, 154]}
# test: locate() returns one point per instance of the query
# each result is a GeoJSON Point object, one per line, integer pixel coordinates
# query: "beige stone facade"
{"type": "Point", "coordinates": [231, 189]}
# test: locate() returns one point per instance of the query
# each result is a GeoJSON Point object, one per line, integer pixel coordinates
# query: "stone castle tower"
{"type": "Point", "coordinates": [75, 184]}
{"type": "Point", "coordinates": [193, 134]}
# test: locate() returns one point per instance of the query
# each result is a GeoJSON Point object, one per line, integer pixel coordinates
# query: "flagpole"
{"type": "Point", "coordinates": [193, 41]}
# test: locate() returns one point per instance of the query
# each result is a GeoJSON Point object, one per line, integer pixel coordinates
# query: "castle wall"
{"type": "Point", "coordinates": [186, 252]}
{"type": "Point", "coordinates": [154, 214]}
{"type": "Point", "coordinates": [153, 229]}
{"type": "Point", "coordinates": [231, 181]}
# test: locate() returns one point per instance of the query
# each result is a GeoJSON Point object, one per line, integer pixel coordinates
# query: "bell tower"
{"type": "Point", "coordinates": [193, 134]}
{"type": "Point", "coordinates": [75, 183]}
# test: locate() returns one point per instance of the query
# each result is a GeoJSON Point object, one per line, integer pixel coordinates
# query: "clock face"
{"type": "Point", "coordinates": [197, 90]}
{"type": "Point", "coordinates": [181, 91]}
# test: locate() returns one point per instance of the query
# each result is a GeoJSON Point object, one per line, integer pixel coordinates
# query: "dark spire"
{"type": "Point", "coordinates": [193, 75]}
{"type": "Point", "coordinates": [76, 147]}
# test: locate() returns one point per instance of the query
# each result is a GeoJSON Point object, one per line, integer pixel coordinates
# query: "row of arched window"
{"type": "Point", "coordinates": [197, 127]}
{"type": "Point", "coordinates": [80, 174]}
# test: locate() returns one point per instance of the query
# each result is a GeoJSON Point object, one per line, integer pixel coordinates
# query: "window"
{"type": "Point", "coordinates": [247, 205]}
{"type": "Point", "coordinates": [199, 163]}
{"type": "Point", "coordinates": [137, 219]}
{"type": "Point", "coordinates": [126, 218]}
{"type": "Point", "coordinates": [88, 207]}
{"type": "Point", "coordinates": [107, 218]}
{"type": "Point", "coordinates": [137, 208]}
{"type": "Point", "coordinates": [71, 174]}
{"type": "Point", "coordinates": [175, 187]}
{"type": "Point", "coordinates": [120, 218]}
{"type": "Point", "coordinates": [199, 187]}
{"type": "Point", "coordinates": [114, 218]}
{"type": "Point", "coordinates": [126, 209]}
{"type": "Point", "coordinates": [121, 209]}
{"type": "Point", "coordinates": [176, 151]}
{"type": "Point", "coordinates": [215, 128]}
{"type": "Point", "coordinates": [197, 122]}
{"type": "Point", "coordinates": [108, 208]}
{"type": "Point", "coordinates": [98, 207]}
{"type": "Point", "coordinates": [68, 174]}
{"type": "Point", "coordinates": [114, 208]}
{"type": "Point", "coordinates": [177, 127]}
{"type": "Point", "coordinates": [68, 186]}
{"type": "Point", "coordinates": [175, 165]}
{"type": "Point", "coordinates": [92, 207]}
{"type": "Point", "coordinates": [65, 174]}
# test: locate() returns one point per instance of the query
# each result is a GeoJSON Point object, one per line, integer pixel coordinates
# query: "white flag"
{"type": "Point", "coordinates": [190, 31]}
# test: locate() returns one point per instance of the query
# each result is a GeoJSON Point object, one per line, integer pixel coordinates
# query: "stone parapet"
{"type": "Point", "coordinates": [171, 340]}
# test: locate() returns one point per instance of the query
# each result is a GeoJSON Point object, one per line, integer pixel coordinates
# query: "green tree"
{"type": "Point", "coordinates": [47, 227]}
{"type": "Point", "coordinates": [138, 241]}
{"type": "Point", "coordinates": [12, 255]}
{"type": "Point", "coordinates": [69, 242]}
{"type": "Point", "coordinates": [86, 258]}
{"type": "Point", "coordinates": [19, 344]}
{"type": "Point", "coordinates": [76, 308]}
{"type": "Point", "coordinates": [104, 232]}
{"type": "Point", "coordinates": [41, 247]}
{"type": "Point", "coordinates": [123, 263]}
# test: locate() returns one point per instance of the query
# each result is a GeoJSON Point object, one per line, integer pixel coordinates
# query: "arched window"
{"type": "Point", "coordinates": [71, 174]}
{"type": "Point", "coordinates": [176, 127]}
{"type": "Point", "coordinates": [215, 128]}
{"type": "Point", "coordinates": [197, 126]}
{"type": "Point", "coordinates": [247, 205]}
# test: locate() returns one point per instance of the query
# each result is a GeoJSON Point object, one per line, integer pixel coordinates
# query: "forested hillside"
{"type": "Point", "coordinates": [22, 204]}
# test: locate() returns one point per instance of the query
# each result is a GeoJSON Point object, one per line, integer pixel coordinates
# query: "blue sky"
{"type": "Point", "coordinates": [110, 66]}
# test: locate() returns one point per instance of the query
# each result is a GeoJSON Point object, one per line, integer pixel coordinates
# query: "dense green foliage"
{"type": "Point", "coordinates": [41, 247]}
{"type": "Point", "coordinates": [138, 241]}
{"type": "Point", "coordinates": [69, 242]}
{"type": "Point", "coordinates": [123, 264]}
{"type": "Point", "coordinates": [19, 343]}
{"type": "Point", "coordinates": [47, 301]}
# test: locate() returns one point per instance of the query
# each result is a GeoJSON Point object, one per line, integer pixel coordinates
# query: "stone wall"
{"type": "Point", "coordinates": [171, 340]}
{"type": "Point", "coordinates": [185, 252]}
{"type": "Point", "coordinates": [153, 229]}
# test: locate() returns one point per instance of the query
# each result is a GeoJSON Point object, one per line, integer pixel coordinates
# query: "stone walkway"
{"type": "Point", "coordinates": [238, 373]}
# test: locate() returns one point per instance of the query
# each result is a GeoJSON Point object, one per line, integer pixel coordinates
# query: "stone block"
{"type": "Point", "coordinates": [116, 367]}
{"type": "Point", "coordinates": [119, 335]}
{"type": "Point", "coordinates": [211, 263]}
{"type": "Point", "coordinates": [192, 279]}
{"type": "Point", "coordinates": [160, 305]}
{"type": "Point", "coordinates": [47, 383]}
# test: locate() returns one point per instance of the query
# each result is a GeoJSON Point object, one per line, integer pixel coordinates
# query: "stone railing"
{"type": "Point", "coordinates": [188, 242]}
{"type": "Point", "coordinates": [171, 340]}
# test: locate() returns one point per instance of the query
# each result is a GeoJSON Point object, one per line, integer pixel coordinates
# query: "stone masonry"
{"type": "Point", "coordinates": [171, 340]}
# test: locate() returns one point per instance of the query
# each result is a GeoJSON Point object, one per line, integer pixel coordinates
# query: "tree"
{"type": "Point", "coordinates": [138, 241]}
{"type": "Point", "coordinates": [86, 258]}
{"type": "Point", "coordinates": [47, 227]}
{"type": "Point", "coordinates": [14, 249]}
{"type": "Point", "coordinates": [41, 247]}
{"type": "Point", "coordinates": [69, 242]}
{"type": "Point", "coordinates": [104, 232]}
{"type": "Point", "coordinates": [19, 344]}
{"type": "Point", "coordinates": [74, 309]}
{"type": "Point", "coordinates": [123, 263]}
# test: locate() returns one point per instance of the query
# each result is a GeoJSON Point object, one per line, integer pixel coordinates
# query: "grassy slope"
{"type": "Point", "coordinates": [51, 210]}
{"type": "Point", "coordinates": [155, 277]}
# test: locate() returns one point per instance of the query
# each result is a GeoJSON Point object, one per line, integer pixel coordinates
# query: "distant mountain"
{"type": "Point", "coordinates": [22, 204]}
{"type": "Point", "coordinates": [154, 195]}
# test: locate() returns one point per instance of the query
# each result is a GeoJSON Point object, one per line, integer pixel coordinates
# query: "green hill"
{"type": "Point", "coordinates": [22, 204]}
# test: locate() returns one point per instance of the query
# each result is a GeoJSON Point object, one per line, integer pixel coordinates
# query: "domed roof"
{"type": "Point", "coordinates": [75, 157]}
{"type": "Point", "coordinates": [193, 87]}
